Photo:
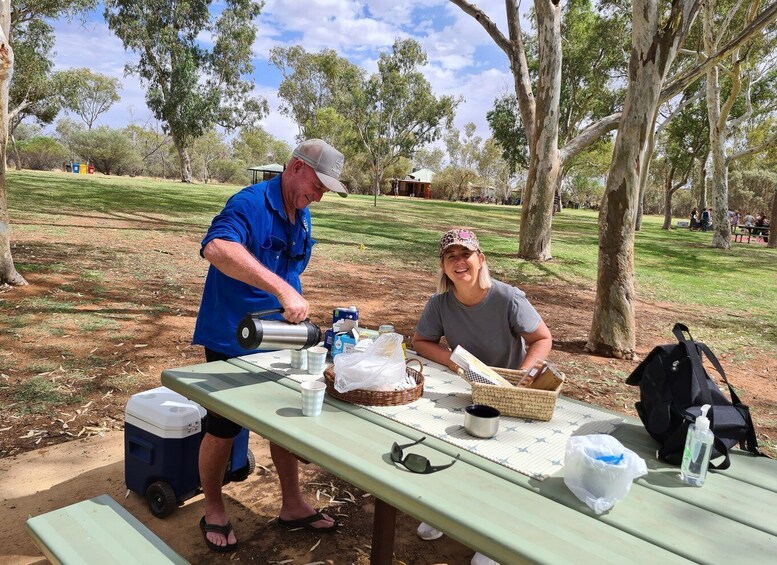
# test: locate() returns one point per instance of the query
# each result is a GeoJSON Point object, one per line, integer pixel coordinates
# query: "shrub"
{"type": "Point", "coordinates": [41, 153]}
{"type": "Point", "coordinates": [231, 171]}
{"type": "Point", "coordinates": [109, 150]}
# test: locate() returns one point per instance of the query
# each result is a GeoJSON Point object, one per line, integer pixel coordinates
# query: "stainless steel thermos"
{"type": "Point", "coordinates": [254, 332]}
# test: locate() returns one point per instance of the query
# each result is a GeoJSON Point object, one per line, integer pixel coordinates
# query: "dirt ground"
{"type": "Point", "coordinates": [53, 457]}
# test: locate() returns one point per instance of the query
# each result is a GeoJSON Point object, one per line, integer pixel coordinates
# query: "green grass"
{"type": "Point", "coordinates": [735, 288]}
{"type": "Point", "coordinates": [97, 322]}
{"type": "Point", "coordinates": [38, 394]}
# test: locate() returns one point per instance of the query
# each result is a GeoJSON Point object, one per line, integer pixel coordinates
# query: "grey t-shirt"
{"type": "Point", "coordinates": [491, 330]}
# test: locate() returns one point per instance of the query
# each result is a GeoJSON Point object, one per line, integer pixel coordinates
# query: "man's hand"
{"type": "Point", "coordinates": [295, 308]}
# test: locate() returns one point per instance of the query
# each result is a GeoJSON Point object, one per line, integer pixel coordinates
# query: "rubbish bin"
{"type": "Point", "coordinates": [82, 169]}
{"type": "Point", "coordinates": [76, 166]}
{"type": "Point", "coordinates": [68, 167]}
{"type": "Point", "coordinates": [90, 169]}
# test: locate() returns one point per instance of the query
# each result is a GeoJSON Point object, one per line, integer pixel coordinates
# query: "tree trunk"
{"type": "Point", "coordinates": [667, 200]}
{"type": "Point", "coordinates": [643, 178]}
{"type": "Point", "coordinates": [721, 234]}
{"type": "Point", "coordinates": [8, 273]}
{"type": "Point", "coordinates": [653, 50]}
{"type": "Point", "coordinates": [703, 184]}
{"type": "Point", "coordinates": [186, 160]}
{"type": "Point", "coordinates": [16, 158]}
{"type": "Point", "coordinates": [544, 158]}
{"type": "Point", "coordinates": [773, 238]}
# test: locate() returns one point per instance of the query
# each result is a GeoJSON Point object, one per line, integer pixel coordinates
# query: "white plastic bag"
{"type": "Point", "coordinates": [379, 367]}
{"type": "Point", "coordinates": [599, 470]}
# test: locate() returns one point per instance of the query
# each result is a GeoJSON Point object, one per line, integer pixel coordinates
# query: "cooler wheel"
{"type": "Point", "coordinates": [161, 499]}
{"type": "Point", "coordinates": [248, 470]}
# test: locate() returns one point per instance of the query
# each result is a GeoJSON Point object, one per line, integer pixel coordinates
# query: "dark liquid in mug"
{"type": "Point", "coordinates": [482, 411]}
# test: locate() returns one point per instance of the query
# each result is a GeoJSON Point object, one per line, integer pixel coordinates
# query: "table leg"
{"type": "Point", "coordinates": [383, 526]}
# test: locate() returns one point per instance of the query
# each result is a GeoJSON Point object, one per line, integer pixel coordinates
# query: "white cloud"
{"type": "Point", "coordinates": [94, 46]}
{"type": "Point", "coordinates": [462, 59]}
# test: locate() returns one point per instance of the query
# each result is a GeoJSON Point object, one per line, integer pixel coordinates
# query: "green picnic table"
{"type": "Point", "coordinates": [504, 514]}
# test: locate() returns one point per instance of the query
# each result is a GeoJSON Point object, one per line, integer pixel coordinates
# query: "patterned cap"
{"type": "Point", "coordinates": [459, 236]}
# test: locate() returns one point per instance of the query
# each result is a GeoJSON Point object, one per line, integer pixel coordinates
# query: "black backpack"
{"type": "Point", "coordinates": [674, 385]}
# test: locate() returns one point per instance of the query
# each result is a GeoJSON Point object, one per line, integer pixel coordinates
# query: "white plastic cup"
{"type": "Point", "coordinates": [312, 397]}
{"type": "Point", "coordinates": [316, 360]}
{"type": "Point", "coordinates": [299, 358]}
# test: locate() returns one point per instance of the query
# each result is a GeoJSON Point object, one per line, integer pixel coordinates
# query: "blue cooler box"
{"type": "Point", "coordinates": [162, 434]}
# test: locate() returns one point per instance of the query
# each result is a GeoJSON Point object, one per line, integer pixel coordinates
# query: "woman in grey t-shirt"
{"type": "Point", "coordinates": [490, 319]}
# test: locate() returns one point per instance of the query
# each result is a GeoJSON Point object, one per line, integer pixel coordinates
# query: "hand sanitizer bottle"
{"type": "Point", "coordinates": [698, 447]}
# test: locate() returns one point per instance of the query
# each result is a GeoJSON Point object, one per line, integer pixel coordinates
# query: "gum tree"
{"type": "Point", "coordinates": [395, 111]}
{"type": "Point", "coordinates": [13, 16]}
{"type": "Point", "coordinates": [539, 106]}
{"type": "Point", "coordinates": [739, 91]}
{"type": "Point", "coordinates": [89, 94]}
{"type": "Point", "coordinates": [191, 88]}
{"type": "Point", "coordinates": [657, 34]}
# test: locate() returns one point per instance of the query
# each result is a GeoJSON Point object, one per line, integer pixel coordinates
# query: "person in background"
{"type": "Point", "coordinates": [706, 219]}
{"type": "Point", "coordinates": [732, 218]}
{"type": "Point", "coordinates": [492, 320]}
{"type": "Point", "coordinates": [556, 203]}
{"type": "Point", "coordinates": [258, 246]}
{"type": "Point", "coordinates": [762, 222]}
{"type": "Point", "coordinates": [695, 222]}
{"type": "Point", "coordinates": [749, 219]}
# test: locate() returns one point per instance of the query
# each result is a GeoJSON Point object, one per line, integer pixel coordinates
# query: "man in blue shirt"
{"type": "Point", "coordinates": [258, 247]}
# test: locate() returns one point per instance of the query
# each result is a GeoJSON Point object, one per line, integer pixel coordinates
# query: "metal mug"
{"type": "Point", "coordinates": [481, 420]}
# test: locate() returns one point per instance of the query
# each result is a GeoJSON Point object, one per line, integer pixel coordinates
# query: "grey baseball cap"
{"type": "Point", "coordinates": [325, 160]}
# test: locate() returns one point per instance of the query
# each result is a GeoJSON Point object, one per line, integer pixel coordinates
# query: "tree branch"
{"type": "Point", "coordinates": [731, 13]}
{"type": "Point", "coordinates": [678, 85]}
{"type": "Point", "coordinates": [487, 23]}
{"type": "Point", "coordinates": [673, 113]}
{"type": "Point", "coordinates": [752, 150]}
{"type": "Point", "coordinates": [588, 136]}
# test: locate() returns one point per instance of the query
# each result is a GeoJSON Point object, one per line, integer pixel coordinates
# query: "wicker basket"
{"type": "Point", "coordinates": [535, 402]}
{"type": "Point", "coordinates": [378, 397]}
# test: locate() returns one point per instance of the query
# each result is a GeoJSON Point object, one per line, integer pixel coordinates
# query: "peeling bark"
{"type": "Point", "coordinates": [655, 40]}
{"type": "Point", "coordinates": [8, 273]}
{"type": "Point", "coordinates": [544, 158]}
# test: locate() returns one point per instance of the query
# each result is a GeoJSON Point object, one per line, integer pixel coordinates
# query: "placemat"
{"type": "Point", "coordinates": [531, 447]}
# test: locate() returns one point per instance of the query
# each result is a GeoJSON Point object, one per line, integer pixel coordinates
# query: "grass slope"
{"type": "Point", "coordinates": [736, 286]}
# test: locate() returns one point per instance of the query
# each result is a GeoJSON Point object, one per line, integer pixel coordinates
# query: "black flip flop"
{"type": "Point", "coordinates": [307, 522]}
{"type": "Point", "coordinates": [223, 530]}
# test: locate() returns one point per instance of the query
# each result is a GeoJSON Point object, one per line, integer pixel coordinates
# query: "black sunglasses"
{"type": "Point", "coordinates": [414, 462]}
{"type": "Point", "coordinates": [288, 249]}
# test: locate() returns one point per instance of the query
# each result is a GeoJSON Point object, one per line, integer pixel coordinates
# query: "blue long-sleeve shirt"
{"type": "Point", "coordinates": [255, 218]}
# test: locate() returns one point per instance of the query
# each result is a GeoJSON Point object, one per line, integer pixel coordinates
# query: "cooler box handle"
{"type": "Point", "coordinates": [142, 450]}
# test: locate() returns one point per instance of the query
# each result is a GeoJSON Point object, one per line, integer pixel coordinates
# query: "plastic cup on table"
{"type": "Point", "coordinates": [316, 360]}
{"type": "Point", "coordinates": [299, 358]}
{"type": "Point", "coordinates": [312, 397]}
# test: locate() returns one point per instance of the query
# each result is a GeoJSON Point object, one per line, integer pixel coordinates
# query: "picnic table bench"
{"type": "Point", "coordinates": [504, 514]}
{"type": "Point", "coordinates": [98, 531]}
{"type": "Point", "coordinates": [751, 231]}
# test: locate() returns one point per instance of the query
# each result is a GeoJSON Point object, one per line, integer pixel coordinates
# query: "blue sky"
{"type": "Point", "coordinates": [463, 60]}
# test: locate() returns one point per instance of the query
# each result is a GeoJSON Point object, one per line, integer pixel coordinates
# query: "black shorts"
{"type": "Point", "coordinates": [215, 425]}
